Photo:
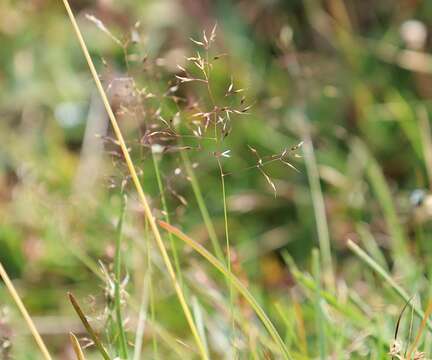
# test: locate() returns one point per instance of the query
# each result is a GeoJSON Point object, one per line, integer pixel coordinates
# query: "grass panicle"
{"type": "Point", "coordinates": [137, 184]}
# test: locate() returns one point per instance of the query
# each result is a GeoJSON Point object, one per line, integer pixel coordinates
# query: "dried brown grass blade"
{"type": "Point", "coordinates": [24, 312]}
{"type": "Point", "coordinates": [76, 347]}
{"type": "Point", "coordinates": [88, 327]}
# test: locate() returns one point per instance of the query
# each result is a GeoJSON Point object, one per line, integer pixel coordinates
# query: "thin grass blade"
{"type": "Point", "coordinates": [122, 341]}
{"type": "Point", "coordinates": [363, 256]}
{"type": "Point", "coordinates": [88, 327]}
{"type": "Point", "coordinates": [235, 282]}
{"type": "Point", "coordinates": [14, 294]}
{"type": "Point", "coordinates": [76, 347]}
{"type": "Point", "coordinates": [318, 311]}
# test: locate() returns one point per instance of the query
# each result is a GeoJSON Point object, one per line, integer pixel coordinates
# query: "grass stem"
{"type": "Point", "coordinates": [202, 206]}
{"type": "Point", "coordinates": [318, 311]}
{"type": "Point", "coordinates": [123, 350]}
{"type": "Point", "coordinates": [167, 216]}
{"type": "Point", "coordinates": [142, 317]}
{"type": "Point", "coordinates": [136, 181]}
{"type": "Point", "coordinates": [319, 209]}
{"type": "Point", "coordinates": [228, 250]}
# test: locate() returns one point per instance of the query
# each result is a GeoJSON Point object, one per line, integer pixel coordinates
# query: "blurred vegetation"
{"type": "Point", "coordinates": [350, 79]}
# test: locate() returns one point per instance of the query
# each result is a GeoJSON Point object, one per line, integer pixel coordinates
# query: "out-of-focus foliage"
{"type": "Point", "coordinates": [352, 76]}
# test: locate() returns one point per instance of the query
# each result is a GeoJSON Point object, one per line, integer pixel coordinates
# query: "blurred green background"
{"type": "Point", "coordinates": [350, 78]}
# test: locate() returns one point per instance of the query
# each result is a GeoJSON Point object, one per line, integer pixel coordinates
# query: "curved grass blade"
{"type": "Point", "coordinates": [363, 256]}
{"type": "Point", "coordinates": [235, 282]}
{"type": "Point", "coordinates": [76, 347]}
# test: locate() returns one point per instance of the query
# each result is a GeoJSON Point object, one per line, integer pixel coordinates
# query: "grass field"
{"type": "Point", "coordinates": [215, 179]}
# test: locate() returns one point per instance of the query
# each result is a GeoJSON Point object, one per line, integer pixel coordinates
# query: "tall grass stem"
{"type": "Point", "coordinates": [123, 350]}
{"type": "Point", "coordinates": [319, 209]}
{"type": "Point", "coordinates": [136, 181]}
{"type": "Point", "coordinates": [202, 206]}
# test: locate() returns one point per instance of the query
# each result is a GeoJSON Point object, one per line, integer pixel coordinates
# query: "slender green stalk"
{"type": "Point", "coordinates": [142, 317]}
{"type": "Point", "coordinates": [202, 206]}
{"type": "Point", "coordinates": [136, 182]}
{"type": "Point", "coordinates": [425, 134]}
{"type": "Point", "coordinates": [291, 336]}
{"type": "Point", "coordinates": [167, 217]}
{"type": "Point", "coordinates": [319, 210]}
{"type": "Point", "coordinates": [123, 350]}
{"type": "Point", "coordinates": [151, 295]}
{"type": "Point", "coordinates": [318, 311]}
{"type": "Point", "coordinates": [371, 246]}
{"type": "Point", "coordinates": [363, 256]}
{"type": "Point", "coordinates": [381, 189]}
{"type": "Point", "coordinates": [198, 314]}
{"type": "Point", "coordinates": [227, 243]}
{"type": "Point", "coordinates": [235, 282]}
{"type": "Point", "coordinates": [11, 288]}
{"type": "Point", "coordinates": [88, 327]}
{"type": "Point", "coordinates": [228, 251]}
{"type": "Point", "coordinates": [207, 74]}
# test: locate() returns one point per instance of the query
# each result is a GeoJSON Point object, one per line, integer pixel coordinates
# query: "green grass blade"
{"type": "Point", "coordinates": [122, 341]}
{"type": "Point", "coordinates": [202, 207]}
{"type": "Point", "coordinates": [318, 311]}
{"type": "Point", "coordinates": [319, 210]}
{"type": "Point", "coordinates": [371, 245]}
{"type": "Point", "coordinates": [308, 282]}
{"type": "Point", "coordinates": [167, 217]}
{"type": "Point", "coordinates": [235, 282]}
{"type": "Point", "coordinates": [385, 198]}
{"type": "Point", "coordinates": [364, 257]}
{"type": "Point", "coordinates": [228, 252]}
{"type": "Point", "coordinates": [198, 314]}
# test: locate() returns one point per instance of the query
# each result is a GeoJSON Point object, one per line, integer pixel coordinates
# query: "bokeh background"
{"type": "Point", "coordinates": [352, 79]}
